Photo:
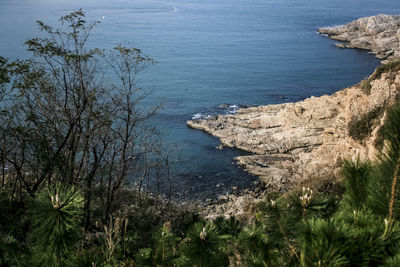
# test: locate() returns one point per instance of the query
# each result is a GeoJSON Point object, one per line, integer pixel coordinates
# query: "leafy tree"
{"type": "Point", "coordinates": [13, 229]}
{"type": "Point", "coordinates": [75, 115]}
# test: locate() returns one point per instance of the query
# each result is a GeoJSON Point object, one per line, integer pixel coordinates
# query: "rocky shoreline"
{"type": "Point", "coordinates": [291, 142]}
{"type": "Point", "coordinates": [380, 34]}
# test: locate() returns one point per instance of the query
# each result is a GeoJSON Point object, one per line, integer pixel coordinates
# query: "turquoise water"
{"type": "Point", "coordinates": [210, 53]}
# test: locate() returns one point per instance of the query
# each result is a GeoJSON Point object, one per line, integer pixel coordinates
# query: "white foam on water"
{"type": "Point", "coordinates": [223, 109]}
{"type": "Point", "coordinates": [322, 34]}
{"type": "Point", "coordinates": [200, 116]}
{"type": "Point", "coordinates": [232, 109]}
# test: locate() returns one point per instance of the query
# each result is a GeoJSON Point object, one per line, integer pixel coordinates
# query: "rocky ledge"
{"type": "Point", "coordinates": [293, 141]}
{"type": "Point", "coordinates": [310, 139]}
{"type": "Point", "coordinates": [380, 34]}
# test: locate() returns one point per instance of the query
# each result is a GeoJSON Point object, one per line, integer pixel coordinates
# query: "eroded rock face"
{"type": "Point", "coordinates": [310, 138]}
{"type": "Point", "coordinates": [380, 34]}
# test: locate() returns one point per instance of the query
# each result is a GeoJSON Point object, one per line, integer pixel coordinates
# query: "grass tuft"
{"type": "Point", "coordinates": [360, 128]}
{"type": "Point", "coordinates": [366, 86]}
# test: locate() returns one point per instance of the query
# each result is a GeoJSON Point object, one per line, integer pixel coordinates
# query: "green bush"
{"type": "Point", "coordinates": [13, 227]}
{"type": "Point", "coordinates": [56, 215]}
{"type": "Point", "coordinates": [361, 128]}
{"type": "Point", "coordinates": [366, 86]}
{"type": "Point", "coordinates": [391, 66]}
{"type": "Point", "coordinates": [256, 247]}
{"type": "Point", "coordinates": [202, 247]}
{"type": "Point", "coordinates": [323, 243]}
{"type": "Point", "coordinates": [356, 224]}
{"type": "Point", "coordinates": [384, 132]}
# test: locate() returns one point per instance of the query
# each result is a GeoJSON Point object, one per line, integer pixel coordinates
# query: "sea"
{"type": "Point", "coordinates": [213, 57]}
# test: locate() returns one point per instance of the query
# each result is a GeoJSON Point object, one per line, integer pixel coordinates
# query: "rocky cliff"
{"type": "Point", "coordinates": [380, 34]}
{"type": "Point", "coordinates": [293, 141]}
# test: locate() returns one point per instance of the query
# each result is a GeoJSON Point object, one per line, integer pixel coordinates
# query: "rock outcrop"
{"type": "Point", "coordinates": [380, 34]}
{"type": "Point", "coordinates": [293, 141]}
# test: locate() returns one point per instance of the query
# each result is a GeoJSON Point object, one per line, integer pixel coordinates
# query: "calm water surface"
{"type": "Point", "coordinates": [209, 53]}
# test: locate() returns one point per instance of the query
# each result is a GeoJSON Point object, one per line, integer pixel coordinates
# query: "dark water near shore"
{"type": "Point", "coordinates": [209, 53]}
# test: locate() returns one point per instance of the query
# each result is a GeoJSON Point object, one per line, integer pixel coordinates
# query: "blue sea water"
{"type": "Point", "coordinates": [210, 53]}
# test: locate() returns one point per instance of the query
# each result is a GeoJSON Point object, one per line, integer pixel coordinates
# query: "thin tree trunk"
{"type": "Point", "coordinates": [168, 179]}
{"type": "Point", "coordinates": [3, 172]}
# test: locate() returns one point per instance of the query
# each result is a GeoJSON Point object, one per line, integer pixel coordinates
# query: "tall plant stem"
{"type": "Point", "coordinates": [393, 195]}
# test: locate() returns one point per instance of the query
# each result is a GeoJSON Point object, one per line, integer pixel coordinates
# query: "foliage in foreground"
{"type": "Point", "coordinates": [55, 224]}
{"type": "Point", "coordinates": [303, 228]}
{"type": "Point", "coordinates": [391, 66]}
{"type": "Point", "coordinates": [59, 219]}
{"type": "Point", "coordinates": [361, 128]}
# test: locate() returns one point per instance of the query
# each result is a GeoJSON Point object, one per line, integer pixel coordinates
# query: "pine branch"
{"type": "Point", "coordinates": [392, 198]}
{"type": "Point", "coordinates": [291, 247]}
{"type": "Point", "coordinates": [292, 250]}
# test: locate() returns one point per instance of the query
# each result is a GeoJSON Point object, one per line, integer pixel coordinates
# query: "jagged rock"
{"type": "Point", "coordinates": [293, 141]}
{"type": "Point", "coordinates": [223, 198]}
{"type": "Point", "coordinates": [380, 34]}
{"type": "Point", "coordinates": [240, 207]}
{"type": "Point", "coordinates": [310, 138]}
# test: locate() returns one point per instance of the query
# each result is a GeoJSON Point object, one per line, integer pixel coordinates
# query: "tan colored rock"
{"type": "Point", "coordinates": [380, 34]}
{"type": "Point", "coordinates": [293, 141]}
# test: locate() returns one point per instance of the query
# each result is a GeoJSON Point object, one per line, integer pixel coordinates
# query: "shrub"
{"type": "Point", "coordinates": [391, 66]}
{"type": "Point", "coordinates": [56, 215]}
{"type": "Point", "coordinates": [361, 128]}
{"type": "Point", "coordinates": [366, 86]}
{"type": "Point", "coordinates": [202, 247]}
{"type": "Point", "coordinates": [13, 226]}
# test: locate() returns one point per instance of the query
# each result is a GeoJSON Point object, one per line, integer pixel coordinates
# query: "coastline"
{"type": "Point", "coordinates": [291, 142]}
{"type": "Point", "coordinates": [379, 34]}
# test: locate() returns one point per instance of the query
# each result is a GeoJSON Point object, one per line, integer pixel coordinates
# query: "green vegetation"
{"type": "Point", "coordinates": [392, 66]}
{"type": "Point", "coordinates": [306, 227]}
{"type": "Point", "coordinates": [361, 128]}
{"type": "Point", "coordinates": [389, 68]}
{"type": "Point", "coordinates": [55, 223]}
{"type": "Point", "coordinates": [65, 197]}
{"type": "Point", "coordinates": [384, 132]}
{"type": "Point", "coordinates": [366, 86]}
